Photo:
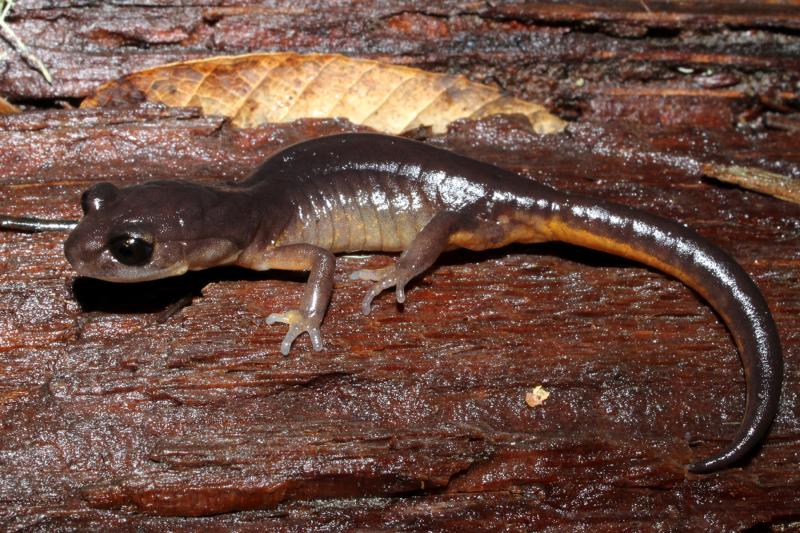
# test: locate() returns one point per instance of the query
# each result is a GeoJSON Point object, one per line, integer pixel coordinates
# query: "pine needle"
{"type": "Point", "coordinates": [756, 179]}
{"type": "Point", "coordinates": [9, 35]}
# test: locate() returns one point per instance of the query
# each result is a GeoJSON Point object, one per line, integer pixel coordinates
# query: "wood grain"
{"type": "Point", "coordinates": [414, 418]}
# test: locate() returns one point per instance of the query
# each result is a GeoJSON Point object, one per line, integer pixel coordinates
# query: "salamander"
{"type": "Point", "coordinates": [371, 192]}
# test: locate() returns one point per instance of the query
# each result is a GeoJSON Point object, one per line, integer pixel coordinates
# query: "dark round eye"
{"type": "Point", "coordinates": [131, 250]}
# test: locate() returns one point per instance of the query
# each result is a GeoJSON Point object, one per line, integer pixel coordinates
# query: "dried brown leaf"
{"type": "Point", "coordinates": [7, 108]}
{"type": "Point", "coordinates": [756, 179]}
{"type": "Point", "coordinates": [254, 89]}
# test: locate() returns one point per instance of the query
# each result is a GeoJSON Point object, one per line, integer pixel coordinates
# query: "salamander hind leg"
{"type": "Point", "coordinates": [387, 277]}
{"type": "Point", "coordinates": [437, 236]}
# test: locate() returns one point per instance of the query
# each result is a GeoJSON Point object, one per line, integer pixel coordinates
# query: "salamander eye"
{"type": "Point", "coordinates": [131, 250]}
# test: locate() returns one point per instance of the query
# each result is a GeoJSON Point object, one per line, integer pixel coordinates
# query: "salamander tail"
{"type": "Point", "coordinates": [680, 252]}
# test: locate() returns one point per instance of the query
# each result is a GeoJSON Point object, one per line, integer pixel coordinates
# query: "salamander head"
{"type": "Point", "coordinates": [150, 231]}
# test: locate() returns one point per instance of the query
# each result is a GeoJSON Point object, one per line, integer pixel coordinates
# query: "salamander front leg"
{"type": "Point", "coordinates": [307, 319]}
{"type": "Point", "coordinates": [421, 254]}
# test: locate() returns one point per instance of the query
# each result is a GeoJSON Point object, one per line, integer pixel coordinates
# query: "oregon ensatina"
{"type": "Point", "coordinates": [369, 192]}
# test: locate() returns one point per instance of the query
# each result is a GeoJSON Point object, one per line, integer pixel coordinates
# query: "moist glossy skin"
{"type": "Point", "coordinates": [368, 192]}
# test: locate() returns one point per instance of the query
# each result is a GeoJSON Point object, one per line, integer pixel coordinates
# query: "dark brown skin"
{"type": "Point", "coordinates": [369, 192]}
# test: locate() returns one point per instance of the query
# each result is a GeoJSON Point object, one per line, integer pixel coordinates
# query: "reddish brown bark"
{"type": "Point", "coordinates": [412, 418]}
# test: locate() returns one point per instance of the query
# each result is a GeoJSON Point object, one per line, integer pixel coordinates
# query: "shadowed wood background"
{"type": "Point", "coordinates": [116, 414]}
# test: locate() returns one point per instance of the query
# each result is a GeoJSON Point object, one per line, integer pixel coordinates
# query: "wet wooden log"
{"type": "Point", "coordinates": [107, 407]}
{"type": "Point", "coordinates": [114, 415]}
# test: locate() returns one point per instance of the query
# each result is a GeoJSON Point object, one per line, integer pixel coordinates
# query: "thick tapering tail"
{"type": "Point", "coordinates": [676, 250]}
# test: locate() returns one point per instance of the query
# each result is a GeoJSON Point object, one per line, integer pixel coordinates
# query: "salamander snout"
{"type": "Point", "coordinates": [122, 238]}
{"type": "Point", "coordinates": [151, 231]}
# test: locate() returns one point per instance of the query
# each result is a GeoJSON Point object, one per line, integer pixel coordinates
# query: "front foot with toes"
{"type": "Point", "coordinates": [299, 323]}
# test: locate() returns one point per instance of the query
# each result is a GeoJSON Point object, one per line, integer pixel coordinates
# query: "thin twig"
{"type": "Point", "coordinates": [9, 35]}
{"type": "Point", "coordinates": [35, 225]}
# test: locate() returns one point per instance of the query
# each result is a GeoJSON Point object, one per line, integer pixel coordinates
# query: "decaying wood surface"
{"type": "Point", "coordinates": [114, 415]}
{"type": "Point", "coordinates": [692, 62]}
